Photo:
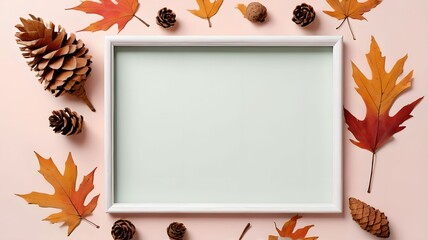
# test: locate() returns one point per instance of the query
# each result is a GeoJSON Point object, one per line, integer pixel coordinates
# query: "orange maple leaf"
{"type": "Point", "coordinates": [379, 94]}
{"type": "Point", "coordinates": [288, 228]}
{"type": "Point", "coordinates": [207, 9]}
{"type": "Point", "coordinates": [66, 198]}
{"type": "Point", "coordinates": [120, 13]}
{"type": "Point", "coordinates": [345, 9]}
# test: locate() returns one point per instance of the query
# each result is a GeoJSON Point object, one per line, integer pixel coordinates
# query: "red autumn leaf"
{"type": "Point", "coordinates": [379, 94]}
{"type": "Point", "coordinates": [120, 13]}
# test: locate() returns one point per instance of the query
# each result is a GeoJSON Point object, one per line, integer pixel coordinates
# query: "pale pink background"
{"type": "Point", "coordinates": [400, 183]}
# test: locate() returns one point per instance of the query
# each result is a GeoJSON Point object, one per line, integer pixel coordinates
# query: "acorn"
{"type": "Point", "coordinates": [256, 12]}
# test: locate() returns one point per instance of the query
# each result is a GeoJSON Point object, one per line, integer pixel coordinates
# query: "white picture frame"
{"type": "Point", "coordinates": [118, 119]}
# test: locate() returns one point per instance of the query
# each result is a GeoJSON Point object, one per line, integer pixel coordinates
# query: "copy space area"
{"type": "Point", "coordinates": [223, 124]}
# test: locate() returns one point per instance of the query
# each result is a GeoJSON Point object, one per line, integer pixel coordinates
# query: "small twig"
{"type": "Point", "coordinates": [142, 21]}
{"type": "Point", "coordinates": [245, 231]}
{"type": "Point", "coordinates": [92, 223]}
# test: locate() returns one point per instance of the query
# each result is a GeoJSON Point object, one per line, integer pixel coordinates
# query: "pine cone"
{"type": "Point", "coordinates": [370, 219]}
{"type": "Point", "coordinates": [176, 231]}
{"type": "Point", "coordinates": [122, 230]}
{"type": "Point", "coordinates": [66, 122]}
{"type": "Point", "coordinates": [256, 12]}
{"type": "Point", "coordinates": [61, 62]}
{"type": "Point", "coordinates": [166, 18]}
{"type": "Point", "coordinates": [303, 15]}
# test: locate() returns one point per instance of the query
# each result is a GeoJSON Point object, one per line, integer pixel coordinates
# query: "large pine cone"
{"type": "Point", "coordinates": [122, 230]}
{"type": "Point", "coordinates": [166, 18]}
{"type": "Point", "coordinates": [66, 122]}
{"type": "Point", "coordinates": [303, 14]}
{"type": "Point", "coordinates": [370, 219]}
{"type": "Point", "coordinates": [61, 62]}
{"type": "Point", "coordinates": [176, 231]}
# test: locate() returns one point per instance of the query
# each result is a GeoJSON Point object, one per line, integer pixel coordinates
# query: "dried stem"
{"type": "Point", "coordinates": [80, 92]}
{"type": "Point", "coordinates": [245, 230]}
{"type": "Point", "coordinates": [141, 20]}
{"type": "Point", "coordinates": [341, 23]}
{"type": "Point", "coordinates": [371, 173]}
{"type": "Point", "coordinates": [349, 24]}
{"type": "Point", "coordinates": [92, 223]}
{"type": "Point", "coordinates": [209, 22]}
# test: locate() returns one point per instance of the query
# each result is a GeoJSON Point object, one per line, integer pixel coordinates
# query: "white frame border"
{"type": "Point", "coordinates": [334, 41]}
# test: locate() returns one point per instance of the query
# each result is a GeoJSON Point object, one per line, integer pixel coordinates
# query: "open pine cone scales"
{"type": "Point", "coordinates": [166, 18]}
{"type": "Point", "coordinates": [370, 219]}
{"type": "Point", "coordinates": [66, 122]}
{"type": "Point", "coordinates": [61, 61]}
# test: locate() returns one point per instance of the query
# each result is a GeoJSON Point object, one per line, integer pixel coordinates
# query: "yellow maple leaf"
{"type": "Point", "coordinates": [207, 9]}
{"type": "Point", "coordinates": [345, 9]}
{"type": "Point", "coordinates": [66, 198]}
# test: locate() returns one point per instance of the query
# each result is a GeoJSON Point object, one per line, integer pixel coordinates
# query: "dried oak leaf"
{"type": "Point", "coordinates": [207, 9]}
{"type": "Point", "coordinates": [120, 13]}
{"type": "Point", "coordinates": [379, 94]}
{"type": "Point", "coordinates": [66, 198]}
{"type": "Point", "coordinates": [287, 231]}
{"type": "Point", "coordinates": [345, 9]}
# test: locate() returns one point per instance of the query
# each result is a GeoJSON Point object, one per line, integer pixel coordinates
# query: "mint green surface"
{"type": "Point", "coordinates": [223, 124]}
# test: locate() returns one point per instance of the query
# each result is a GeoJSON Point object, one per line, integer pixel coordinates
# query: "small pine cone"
{"type": "Point", "coordinates": [61, 61]}
{"type": "Point", "coordinates": [256, 12]}
{"type": "Point", "coordinates": [176, 231]}
{"type": "Point", "coordinates": [304, 14]}
{"type": "Point", "coordinates": [66, 122]}
{"type": "Point", "coordinates": [122, 230]}
{"type": "Point", "coordinates": [166, 18]}
{"type": "Point", "coordinates": [370, 219]}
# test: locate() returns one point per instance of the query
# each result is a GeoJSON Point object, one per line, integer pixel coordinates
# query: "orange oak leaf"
{"type": "Point", "coordinates": [345, 9]}
{"type": "Point", "coordinates": [66, 198]}
{"type": "Point", "coordinates": [120, 13]}
{"type": "Point", "coordinates": [379, 94]}
{"type": "Point", "coordinates": [287, 231]}
{"type": "Point", "coordinates": [207, 9]}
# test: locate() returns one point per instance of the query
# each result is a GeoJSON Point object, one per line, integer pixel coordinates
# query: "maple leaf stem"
{"type": "Point", "coordinates": [371, 173]}
{"type": "Point", "coordinates": [90, 222]}
{"type": "Point", "coordinates": [141, 20]}
{"type": "Point", "coordinates": [209, 22]}
{"type": "Point", "coordinates": [245, 231]}
{"type": "Point", "coordinates": [350, 28]}
{"type": "Point", "coordinates": [341, 23]}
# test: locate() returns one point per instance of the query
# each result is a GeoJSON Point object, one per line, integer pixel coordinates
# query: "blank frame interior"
{"type": "Point", "coordinates": [214, 127]}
